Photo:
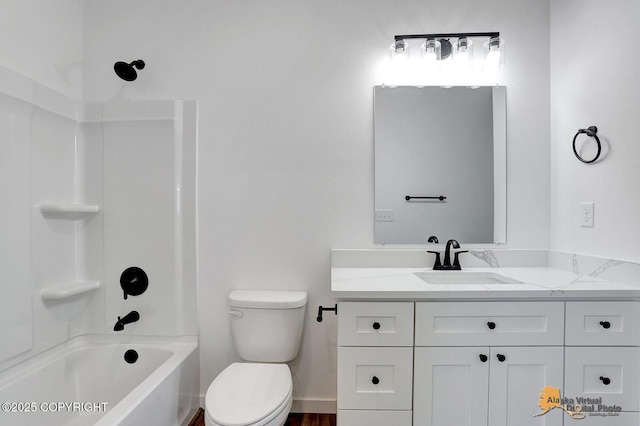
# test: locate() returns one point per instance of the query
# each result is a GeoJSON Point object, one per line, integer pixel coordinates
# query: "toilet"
{"type": "Point", "coordinates": [266, 328]}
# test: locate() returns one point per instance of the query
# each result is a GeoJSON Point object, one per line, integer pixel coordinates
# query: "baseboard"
{"type": "Point", "coordinates": [317, 406]}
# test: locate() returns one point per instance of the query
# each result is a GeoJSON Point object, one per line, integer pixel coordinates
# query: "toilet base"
{"type": "Point", "coordinates": [277, 418]}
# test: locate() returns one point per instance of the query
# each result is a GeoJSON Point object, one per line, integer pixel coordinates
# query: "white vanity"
{"type": "Point", "coordinates": [478, 348]}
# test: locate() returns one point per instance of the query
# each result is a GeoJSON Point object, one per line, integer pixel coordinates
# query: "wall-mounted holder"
{"type": "Point", "coordinates": [322, 309]}
{"type": "Point", "coordinates": [134, 281]}
{"type": "Point", "coordinates": [591, 132]}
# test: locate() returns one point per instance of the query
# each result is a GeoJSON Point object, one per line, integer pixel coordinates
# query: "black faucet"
{"type": "Point", "coordinates": [446, 265]}
{"type": "Point", "coordinates": [132, 316]}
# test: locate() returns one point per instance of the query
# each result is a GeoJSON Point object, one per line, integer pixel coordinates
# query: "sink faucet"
{"type": "Point", "coordinates": [132, 316]}
{"type": "Point", "coordinates": [446, 264]}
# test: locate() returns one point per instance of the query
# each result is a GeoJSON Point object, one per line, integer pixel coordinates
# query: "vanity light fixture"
{"type": "Point", "coordinates": [439, 49]}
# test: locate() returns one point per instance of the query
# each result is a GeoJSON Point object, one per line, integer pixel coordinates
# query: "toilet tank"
{"type": "Point", "coordinates": [266, 325]}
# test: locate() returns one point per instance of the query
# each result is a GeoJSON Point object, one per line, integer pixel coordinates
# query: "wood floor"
{"type": "Point", "coordinates": [294, 419]}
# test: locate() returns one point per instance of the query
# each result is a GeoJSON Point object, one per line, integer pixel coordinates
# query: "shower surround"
{"type": "Point", "coordinates": [90, 190]}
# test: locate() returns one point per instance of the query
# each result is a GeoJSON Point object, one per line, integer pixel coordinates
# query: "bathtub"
{"type": "Point", "coordinates": [87, 381]}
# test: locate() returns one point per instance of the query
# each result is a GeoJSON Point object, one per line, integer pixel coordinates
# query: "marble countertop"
{"type": "Point", "coordinates": [536, 283]}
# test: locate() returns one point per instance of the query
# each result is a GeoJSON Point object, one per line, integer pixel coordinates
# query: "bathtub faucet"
{"type": "Point", "coordinates": [132, 316]}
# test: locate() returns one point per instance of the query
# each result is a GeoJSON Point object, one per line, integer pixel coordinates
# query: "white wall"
{"type": "Point", "coordinates": [286, 133]}
{"type": "Point", "coordinates": [42, 40]}
{"type": "Point", "coordinates": [594, 81]}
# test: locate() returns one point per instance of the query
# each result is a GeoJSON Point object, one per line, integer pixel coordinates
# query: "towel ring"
{"type": "Point", "coordinates": [591, 132]}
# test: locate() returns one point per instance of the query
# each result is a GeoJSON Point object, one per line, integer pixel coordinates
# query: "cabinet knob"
{"type": "Point", "coordinates": [501, 357]}
{"type": "Point", "coordinates": [375, 380]}
{"type": "Point", "coordinates": [376, 325]}
{"type": "Point", "coordinates": [483, 358]}
{"type": "Point", "coordinates": [605, 324]}
{"type": "Point", "coordinates": [605, 380]}
{"type": "Point", "coordinates": [491, 325]}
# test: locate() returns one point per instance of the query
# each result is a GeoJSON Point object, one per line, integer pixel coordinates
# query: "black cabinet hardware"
{"type": "Point", "coordinates": [375, 380]}
{"type": "Point", "coordinates": [483, 358]}
{"type": "Point", "coordinates": [605, 380]}
{"type": "Point", "coordinates": [376, 325]}
{"type": "Point", "coordinates": [605, 324]}
{"type": "Point", "coordinates": [491, 325]}
{"type": "Point", "coordinates": [501, 357]}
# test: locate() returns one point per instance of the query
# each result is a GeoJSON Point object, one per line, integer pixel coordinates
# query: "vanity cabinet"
{"type": "Point", "coordinates": [603, 359]}
{"type": "Point", "coordinates": [485, 363]}
{"type": "Point", "coordinates": [375, 363]}
{"type": "Point", "coordinates": [472, 367]}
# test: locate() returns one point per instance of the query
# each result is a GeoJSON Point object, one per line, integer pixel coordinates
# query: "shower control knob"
{"type": "Point", "coordinates": [605, 380]}
{"type": "Point", "coordinates": [501, 357]}
{"type": "Point", "coordinates": [376, 325]}
{"type": "Point", "coordinates": [605, 324]}
{"type": "Point", "coordinates": [375, 380]}
{"type": "Point", "coordinates": [133, 281]}
{"type": "Point", "coordinates": [491, 325]}
{"type": "Point", "coordinates": [483, 358]}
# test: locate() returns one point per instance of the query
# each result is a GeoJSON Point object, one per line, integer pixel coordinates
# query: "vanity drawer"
{"type": "Point", "coordinates": [619, 419]}
{"type": "Point", "coordinates": [603, 324]}
{"type": "Point", "coordinates": [375, 324]}
{"type": "Point", "coordinates": [373, 418]}
{"type": "Point", "coordinates": [489, 323]}
{"type": "Point", "coordinates": [610, 373]}
{"type": "Point", "coordinates": [375, 378]}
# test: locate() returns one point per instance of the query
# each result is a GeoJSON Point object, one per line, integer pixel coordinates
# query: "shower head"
{"type": "Point", "coordinates": [127, 71]}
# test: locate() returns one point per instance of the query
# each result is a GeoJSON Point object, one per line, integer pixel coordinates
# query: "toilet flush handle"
{"type": "Point", "coordinates": [236, 314]}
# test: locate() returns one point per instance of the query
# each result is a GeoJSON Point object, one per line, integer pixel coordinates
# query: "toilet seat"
{"type": "Point", "coordinates": [249, 394]}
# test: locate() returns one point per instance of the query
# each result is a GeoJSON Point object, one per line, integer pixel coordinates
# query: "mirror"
{"type": "Point", "coordinates": [446, 143]}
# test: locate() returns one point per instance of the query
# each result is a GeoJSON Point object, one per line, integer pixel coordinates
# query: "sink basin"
{"type": "Point", "coordinates": [464, 277]}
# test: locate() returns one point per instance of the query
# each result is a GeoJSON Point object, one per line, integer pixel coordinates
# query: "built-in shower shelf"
{"type": "Point", "coordinates": [69, 290]}
{"type": "Point", "coordinates": [68, 210]}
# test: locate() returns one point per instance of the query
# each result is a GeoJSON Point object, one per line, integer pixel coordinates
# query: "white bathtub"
{"type": "Point", "coordinates": [86, 381]}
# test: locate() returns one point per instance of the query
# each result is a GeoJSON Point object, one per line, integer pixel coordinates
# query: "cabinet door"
{"type": "Point", "coordinates": [518, 375]}
{"type": "Point", "coordinates": [451, 386]}
{"type": "Point", "coordinates": [374, 378]}
{"type": "Point", "coordinates": [612, 374]}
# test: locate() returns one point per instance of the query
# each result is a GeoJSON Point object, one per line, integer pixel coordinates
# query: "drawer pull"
{"type": "Point", "coordinates": [605, 380]}
{"type": "Point", "coordinates": [375, 380]}
{"type": "Point", "coordinates": [376, 325]}
{"type": "Point", "coordinates": [483, 358]}
{"type": "Point", "coordinates": [491, 325]}
{"type": "Point", "coordinates": [605, 324]}
{"type": "Point", "coordinates": [501, 357]}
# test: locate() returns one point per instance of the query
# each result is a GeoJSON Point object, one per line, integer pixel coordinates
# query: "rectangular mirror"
{"type": "Point", "coordinates": [440, 142]}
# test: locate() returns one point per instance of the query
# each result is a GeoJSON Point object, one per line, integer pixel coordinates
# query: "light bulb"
{"type": "Point", "coordinates": [494, 50]}
{"type": "Point", "coordinates": [462, 53]}
{"type": "Point", "coordinates": [493, 60]}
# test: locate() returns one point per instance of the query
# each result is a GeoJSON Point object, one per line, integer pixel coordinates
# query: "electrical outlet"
{"type": "Point", "coordinates": [586, 214]}
{"type": "Point", "coordinates": [384, 216]}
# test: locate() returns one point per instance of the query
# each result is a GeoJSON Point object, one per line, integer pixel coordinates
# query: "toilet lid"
{"type": "Point", "coordinates": [245, 393]}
